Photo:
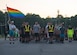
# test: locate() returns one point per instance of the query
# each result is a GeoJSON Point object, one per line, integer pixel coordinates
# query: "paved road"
{"type": "Point", "coordinates": [37, 48]}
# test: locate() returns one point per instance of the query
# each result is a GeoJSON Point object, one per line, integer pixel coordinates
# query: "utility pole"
{"type": "Point", "coordinates": [58, 16]}
{"type": "Point", "coordinates": [58, 12]}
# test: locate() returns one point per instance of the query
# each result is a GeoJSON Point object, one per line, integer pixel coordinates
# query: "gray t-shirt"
{"type": "Point", "coordinates": [36, 28]}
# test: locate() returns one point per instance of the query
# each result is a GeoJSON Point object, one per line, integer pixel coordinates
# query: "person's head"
{"type": "Point", "coordinates": [36, 23]}
{"type": "Point", "coordinates": [49, 23]}
{"type": "Point", "coordinates": [69, 26]}
{"type": "Point", "coordinates": [63, 24]}
{"type": "Point", "coordinates": [23, 23]}
{"type": "Point", "coordinates": [26, 23]}
{"type": "Point", "coordinates": [11, 22]}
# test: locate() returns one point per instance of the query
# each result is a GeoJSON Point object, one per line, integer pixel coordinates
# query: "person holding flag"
{"type": "Point", "coordinates": [12, 27]}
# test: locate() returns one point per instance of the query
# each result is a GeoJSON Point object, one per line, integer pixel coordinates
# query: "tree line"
{"type": "Point", "coordinates": [31, 18]}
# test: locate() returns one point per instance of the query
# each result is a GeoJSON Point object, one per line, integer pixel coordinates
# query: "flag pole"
{"type": "Point", "coordinates": [8, 14]}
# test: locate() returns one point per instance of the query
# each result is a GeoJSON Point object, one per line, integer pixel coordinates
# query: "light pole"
{"type": "Point", "coordinates": [58, 16]}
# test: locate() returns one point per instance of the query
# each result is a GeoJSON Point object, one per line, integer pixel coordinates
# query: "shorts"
{"type": "Point", "coordinates": [36, 34]}
{"type": "Point", "coordinates": [62, 35]}
{"type": "Point", "coordinates": [11, 33]}
{"type": "Point", "coordinates": [50, 34]}
{"type": "Point", "coordinates": [27, 34]}
{"type": "Point", "coordinates": [22, 35]}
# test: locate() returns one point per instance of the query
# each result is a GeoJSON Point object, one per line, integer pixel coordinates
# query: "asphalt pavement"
{"type": "Point", "coordinates": [41, 48]}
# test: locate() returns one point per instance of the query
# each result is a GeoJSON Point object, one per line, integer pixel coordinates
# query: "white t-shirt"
{"type": "Point", "coordinates": [12, 26]}
{"type": "Point", "coordinates": [46, 29]}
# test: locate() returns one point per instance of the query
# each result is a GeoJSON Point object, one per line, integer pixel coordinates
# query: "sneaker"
{"type": "Point", "coordinates": [10, 42]}
{"type": "Point", "coordinates": [13, 42]}
{"type": "Point", "coordinates": [48, 42]}
{"type": "Point", "coordinates": [70, 41]}
{"type": "Point", "coordinates": [62, 42]}
{"type": "Point", "coordinates": [51, 42]}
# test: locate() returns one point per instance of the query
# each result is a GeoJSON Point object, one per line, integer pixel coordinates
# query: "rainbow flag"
{"type": "Point", "coordinates": [14, 13]}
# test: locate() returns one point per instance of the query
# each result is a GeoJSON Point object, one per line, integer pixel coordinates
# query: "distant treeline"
{"type": "Point", "coordinates": [31, 18]}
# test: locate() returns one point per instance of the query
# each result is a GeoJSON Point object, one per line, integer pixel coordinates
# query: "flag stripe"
{"type": "Point", "coordinates": [14, 13]}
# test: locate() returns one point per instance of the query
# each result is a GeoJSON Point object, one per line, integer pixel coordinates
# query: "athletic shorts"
{"type": "Point", "coordinates": [11, 33]}
{"type": "Point", "coordinates": [27, 34]}
{"type": "Point", "coordinates": [36, 34]}
{"type": "Point", "coordinates": [50, 34]}
{"type": "Point", "coordinates": [62, 35]}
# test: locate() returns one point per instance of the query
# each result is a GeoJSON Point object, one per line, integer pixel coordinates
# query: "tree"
{"type": "Point", "coordinates": [2, 17]}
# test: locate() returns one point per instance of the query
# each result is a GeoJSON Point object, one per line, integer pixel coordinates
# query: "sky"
{"type": "Point", "coordinates": [43, 8]}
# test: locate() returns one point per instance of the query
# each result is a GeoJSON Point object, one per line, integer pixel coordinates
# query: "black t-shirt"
{"type": "Point", "coordinates": [62, 29]}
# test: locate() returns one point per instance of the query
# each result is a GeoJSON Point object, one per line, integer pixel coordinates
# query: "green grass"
{"type": "Point", "coordinates": [0, 36]}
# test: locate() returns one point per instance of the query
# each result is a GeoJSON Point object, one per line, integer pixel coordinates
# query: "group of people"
{"type": "Point", "coordinates": [26, 31]}
{"type": "Point", "coordinates": [49, 33]}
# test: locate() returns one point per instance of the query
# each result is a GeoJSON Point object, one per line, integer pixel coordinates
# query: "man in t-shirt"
{"type": "Point", "coordinates": [12, 27]}
{"type": "Point", "coordinates": [36, 30]}
{"type": "Point", "coordinates": [62, 33]}
{"type": "Point", "coordinates": [22, 33]}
